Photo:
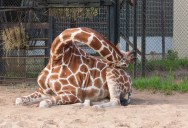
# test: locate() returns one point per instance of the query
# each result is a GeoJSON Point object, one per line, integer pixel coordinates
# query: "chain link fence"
{"type": "Point", "coordinates": [165, 34]}
{"type": "Point", "coordinates": [23, 40]}
{"type": "Point", "coordinates": [162, 41]}
{"type": "Point", "coordinates": [39, 29]}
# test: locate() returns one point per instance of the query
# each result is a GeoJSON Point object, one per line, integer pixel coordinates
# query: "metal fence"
{"type": "Point", "coordinates": [154, 32]}
{"type": "Point", "coordinates": [26, 62]}
{"type": "Point", "coordinates": [41, 28]}
{"type": "Point", "coordinates": [146, 27]}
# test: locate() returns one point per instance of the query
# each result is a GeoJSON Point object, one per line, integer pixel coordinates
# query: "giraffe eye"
{"type": "Point", "coordinates": [124, 59]}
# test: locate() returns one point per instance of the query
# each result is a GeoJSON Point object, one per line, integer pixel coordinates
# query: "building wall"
{"type": "Point", "coordinates": [180, 30]}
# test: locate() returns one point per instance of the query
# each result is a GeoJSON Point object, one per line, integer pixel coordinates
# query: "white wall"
{"type": "Point", "coordinates": [180, 28]}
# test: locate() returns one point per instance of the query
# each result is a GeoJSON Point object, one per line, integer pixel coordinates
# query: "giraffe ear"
{"type": "Point", "coordinates": [131, 2]}
{"type": "Point", "coordinates": [118, 46]}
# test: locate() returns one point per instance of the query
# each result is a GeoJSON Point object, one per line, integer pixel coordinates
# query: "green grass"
{"type": "Point", "coordinates": [164, 85]}
{"type": "Point", "coordinates": [162, 65]}
{"type": "Point", "coordinates": [167, 64]}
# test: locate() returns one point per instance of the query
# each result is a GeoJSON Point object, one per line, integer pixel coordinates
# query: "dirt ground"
{"type": "Point", "coordinates": [147, 110]}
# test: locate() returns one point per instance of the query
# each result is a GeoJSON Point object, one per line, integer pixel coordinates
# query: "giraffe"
{"type": "Point", "coordinates": [73, 76]}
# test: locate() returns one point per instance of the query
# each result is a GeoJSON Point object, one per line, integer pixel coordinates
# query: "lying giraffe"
{"type": "Point", "coordinates": [72, 76]}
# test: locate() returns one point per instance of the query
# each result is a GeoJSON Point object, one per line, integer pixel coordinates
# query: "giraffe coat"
{"type": "Point", "coordinates": [73, 76]}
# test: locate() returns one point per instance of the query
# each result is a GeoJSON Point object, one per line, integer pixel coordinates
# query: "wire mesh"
{"type": "Point", "coordinates": [157, 14]}
{"type": "Point", "coordinates": [98, 23]}
{"type": "Point", "coordinates": [28, 62]}
{"type": "Point", "coordinates": [160, 18]}
{"type": "Point", "coordinates": [24, 62]}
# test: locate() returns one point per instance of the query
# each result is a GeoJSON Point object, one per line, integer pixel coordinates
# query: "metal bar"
{"type": "Point", "coordinates": [135, 38]}
{"type": "Point", "coordinates": [143, 38]}
{"type": "Point", "coordinates": [1, 54]}
{"type": "Point", "coordinates": [46, 47]}
{"type": "Point", "coordinates": [109, 23]}
{"type": "Point", "coordinates": [23, 57]}
{"type": "Point", "coordinates": [74, 1]}
{"type": "Point", "coordinates": [38, 47]}
{"type": "Point", "coordinates": [162, 29]}
{"type": "Point", "coordinates": [29, 25]}
{"type": "Point", "coordinates": [50, 36]}
{"type": "Point", "coordinates": [117, 22]}
{"type": "Point", "coordinates": [1, 62]}
{"type": "Point", "coordinates": [1, 2]}
{"type": "Point", "coordinates": [130, 43]}
{"type": "Point", "coordinates": [82, 2]}
{"type": "Point", "coordinates": [127, 14]}
{"type": "Point", "coordinates": [39, 39]}
{"type": "Point", "coordinates": [112, 23]}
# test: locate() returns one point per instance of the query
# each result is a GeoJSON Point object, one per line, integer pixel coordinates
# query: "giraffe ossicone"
{"type": "Point", "coordinates": [73, 76]}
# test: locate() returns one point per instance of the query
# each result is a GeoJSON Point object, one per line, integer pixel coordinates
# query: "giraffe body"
{"type": "Point", "coordinates": [72, 76]}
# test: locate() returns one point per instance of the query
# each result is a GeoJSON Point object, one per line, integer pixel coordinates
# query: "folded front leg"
{"type": "Point", "coordinates": [33, 98]}
{"type": "Point", "coordinates": [119, 85]}
{"type": "Point", "coordinates": [61, 99]}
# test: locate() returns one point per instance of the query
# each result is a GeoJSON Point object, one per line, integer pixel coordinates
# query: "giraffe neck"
{"type": "Point", "coordinates": [89, 37]}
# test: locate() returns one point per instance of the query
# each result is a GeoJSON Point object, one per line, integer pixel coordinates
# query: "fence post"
{"type": "Point", "coordinates": [162, 29]}
{"type": "Point", "coordinates": [143, 37]}
{"type": "Point", "coordinates": [135, 38]}
{"type": "Point", "coordinates": [127, 14]}
{"type": "Point", "coordinates": [114, 22]}
{"type": "Point", "coordinates": [117, 23]}
{"type": "Point", "coordinates": [1, 63]}
{"type": "Point", "coordinates": [50, 37]}
{"type": "Point", "coordinates": [111, 23]}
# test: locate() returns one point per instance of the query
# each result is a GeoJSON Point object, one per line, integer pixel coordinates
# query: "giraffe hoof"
{"type": "Point", "coordinates": [44, 104]}
{"type": "Point", "coordinates": [18, 101]}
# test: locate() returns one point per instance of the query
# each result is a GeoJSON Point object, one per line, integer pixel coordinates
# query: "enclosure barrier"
{"type": "Point", "coordinates": [146, 27]}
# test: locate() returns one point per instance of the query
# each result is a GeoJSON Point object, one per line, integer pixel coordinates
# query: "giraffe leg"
{"type": "Point", "coordinates": [86, 103]}
{"type": "Point", "coordinates": [114, 95]}
{"type": "Point", "coordinates": [61, 99]}
{"type": "Point", "coordinates": [33, 98]}
{"type": "Point", "coordinates": [117, 97]}
{"type": "Point", "coordinates": [118, 86]}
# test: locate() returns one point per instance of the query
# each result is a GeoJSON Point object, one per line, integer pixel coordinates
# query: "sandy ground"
{"type": "Point", "coordinates": [146, 110]}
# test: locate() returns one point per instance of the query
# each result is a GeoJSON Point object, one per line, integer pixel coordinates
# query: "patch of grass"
{"type": "Point", "coordinates": [162, 65]}
{"type": "Point", "coordinates": [164, 85]}
{"type": "Point", "coordinates": [170, 63]}
{"type": "Point", "coordinates": [167, 64]}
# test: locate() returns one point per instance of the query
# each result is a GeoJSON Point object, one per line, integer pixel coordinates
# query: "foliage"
{"type": "Point", "coordinates": [170, 63]}
{"type": "Point", "coordinates": [172, 55]}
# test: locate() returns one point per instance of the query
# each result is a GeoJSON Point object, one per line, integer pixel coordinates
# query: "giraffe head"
{"type": "Point", "coordinates": [127, 58]}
